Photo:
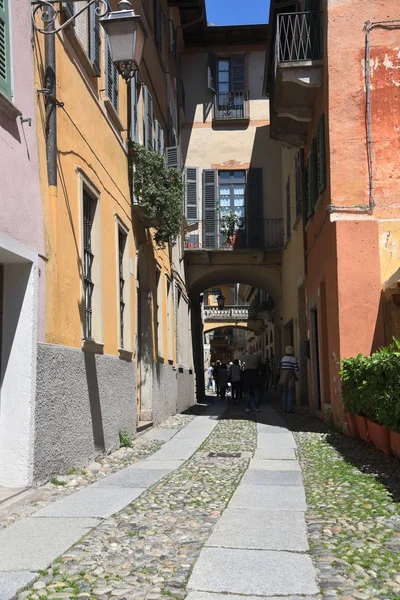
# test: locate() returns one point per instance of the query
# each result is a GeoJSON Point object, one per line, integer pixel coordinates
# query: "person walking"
{"type": "Point", "coordinates": [222, 380]}
{"type": "Point", "coordinates": [251, 381]}
{"type": "Point", "coordinates": [287, 379]}
{"type": "Point", "coordinates": [215, 375]}
{"type": "Point", "coordinates": [235, 377]}
{"type": "Point", "coordinates": [210, 377]}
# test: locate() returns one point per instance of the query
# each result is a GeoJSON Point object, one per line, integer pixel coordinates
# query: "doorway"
{"type": "Point", "coordinates": [315, 359]}
{"type": "Point", "coordinates": [302, 329]}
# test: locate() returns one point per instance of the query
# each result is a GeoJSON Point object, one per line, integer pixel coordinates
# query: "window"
{"type": "Point", "coordinates": [112, 90]}
{"type": "Point", "coordinates": [89, 207]}
{"type": "Point", "coordinates": [288, 223]}
{"type": "Point", "coordinates": [159, 314]}
{"type": "Point", "coordinates": [121, 253]}
{"type": "Point", "coordinates": [298, 168]}
{"type": "Point", "coordinates": [135, 94]}
{"type": "Point", "coordinates": [321, 155]}
{"type": "Point", "coordinates": [148, 119]}
{"type": "Point", "coordinates": [232, 193]}
{"type": "Point", "coordinates": [94, 39]}
{"type": "Point", "coordinates": [158, 138]}
{"type": "Point", "coordinates": [5, 66]}
{"type": "Point", "coordinates": [231, 84]}
{"type": "Point", "coordinates": [158, 23]}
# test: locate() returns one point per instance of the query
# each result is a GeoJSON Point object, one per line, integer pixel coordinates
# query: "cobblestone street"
{"type": "Point", "coordinates": [221, 525]}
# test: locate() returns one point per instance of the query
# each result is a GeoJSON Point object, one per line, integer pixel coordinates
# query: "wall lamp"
{"type": "Point", "coordinates": [125, 30]}
{"type": "Point", "coordinates": [221, 301]}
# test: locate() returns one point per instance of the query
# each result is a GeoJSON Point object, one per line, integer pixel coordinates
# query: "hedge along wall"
{"type": "Point", "coordinates": [371, 385]}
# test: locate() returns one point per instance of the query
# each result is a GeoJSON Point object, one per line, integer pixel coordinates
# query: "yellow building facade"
{"type": "Point", "coordinates": [117, 351]}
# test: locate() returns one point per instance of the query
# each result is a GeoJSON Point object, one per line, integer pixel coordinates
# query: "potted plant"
{"type": "Point", "coordinates": [230, 224]}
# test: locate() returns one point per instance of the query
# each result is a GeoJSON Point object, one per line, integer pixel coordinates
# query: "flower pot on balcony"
{"type": "Point", "coordinates": [379, 436]}
{"type": "Point", "coordinates": [362, 428]}
{"type": "Point", "coordinates": [352, 425]}
{"type": "Point", "coordinates": [395, 442]}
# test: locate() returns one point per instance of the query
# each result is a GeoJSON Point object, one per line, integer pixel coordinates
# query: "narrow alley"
{"type": "Point", "coordinates": [213, 507]}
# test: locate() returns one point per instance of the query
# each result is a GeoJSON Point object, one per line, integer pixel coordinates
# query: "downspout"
{"type": "Point", "coordinates": [368, 26]}
{"type": "Point", "coordinates": [51, 109]}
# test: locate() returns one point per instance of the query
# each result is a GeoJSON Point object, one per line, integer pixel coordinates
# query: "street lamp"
{"type": "Point", "coordinates": [221, 301]}
{"type": "Point", "coordinates": [125, 29]}
{"type": "Point", "coordinates": [126, 37]}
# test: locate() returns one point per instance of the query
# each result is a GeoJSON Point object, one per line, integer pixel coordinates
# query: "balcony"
{"type": "Point", "coordinates": [231, 106]}
{"type": "Point", "coordinates": [266, 234]}
{"type": "Point", "coordinates": [228, 313]}
{"type": "Point", "coordinates": [297, 73]}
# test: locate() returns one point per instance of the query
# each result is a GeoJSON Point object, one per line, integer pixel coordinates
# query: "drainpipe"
{"type": "Point", "coordinates": [51, 109]}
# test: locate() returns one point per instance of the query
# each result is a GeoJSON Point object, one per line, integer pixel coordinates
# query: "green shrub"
{"type": "Point", "coordinates": [125, 439]}
{"type": "Point", "coordinates": [371, 385]}
{"type": "Point", "coordinates": [159, 191]}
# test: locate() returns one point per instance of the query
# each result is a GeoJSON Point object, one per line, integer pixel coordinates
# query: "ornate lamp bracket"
{"type": "Point", "coordinates": [49, 13]}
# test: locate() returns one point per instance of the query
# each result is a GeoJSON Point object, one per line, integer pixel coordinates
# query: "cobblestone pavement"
{"type": "Point", "coordinates": [147, 551]}
{"type": "Point", "coordinates": [61, 486]}
{"type": "Point", "coordinates": [353, 515]}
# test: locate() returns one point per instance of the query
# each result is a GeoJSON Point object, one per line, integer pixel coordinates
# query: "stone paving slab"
{"type": "Point", "coordinates": [146, 464]}
{"type": "Point", "coordinates": [259, 529]}
{"type": "Point", "coordinates": [207, 596]}
{"type": "Point", "coordinates": [272, 427]}
{"type": "Point", "coordinates": [175, 450]}
{"type": "Point", "coordinates": [161, 434]}
{"type": "Point", "coordinates": [91, 502]}
{"type": "Point", "coordinates": [257, 572]}
{"type": "Point", "coordinates": [274, 465]}
{"type": "Point", "coordinates": [264, 477]}
{"type": "Point", "coordinates": [132, 478]}
{"type": "Point", "coordinates": [277, 440]}
{"type": "Point", "coordinates": [33, 544]}
{"type": "Point", "coordinates": [12, 581]}
{"type": "Point", "coordinates": [272, 497]}
{"type": "Point", "coordinates": [274, 453]}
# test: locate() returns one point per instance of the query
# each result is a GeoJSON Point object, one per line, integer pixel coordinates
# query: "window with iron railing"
{"type": "Point", "coordinates": [230, 101]}
{"type": "Point", "coordinates": [298, 36]}
{"type": "Point", "coordinates": [89, 207]}
{"type": "Point", "coordinates": [121, 254]}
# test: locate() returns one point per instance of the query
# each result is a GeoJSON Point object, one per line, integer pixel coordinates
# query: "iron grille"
{"type": "Point", "coordinates": [230, 105]}
{"type": "Point", "coordinates": [206, 234]}
{"type": "Point", "coordinates": [121, 250]}
{"type": "Point", "coordinates": [88, 257]}
{"type": "Point", "coordinates": [299, 36]}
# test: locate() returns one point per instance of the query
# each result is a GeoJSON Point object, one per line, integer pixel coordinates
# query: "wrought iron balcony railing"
{"type": "Point", "coordinates": [228, 313]}
{"type": "Point", "coordinates": [230, 105]}
{"type": "Point", "coordinates": [254, 233]}
{"type": "Point", "coordinates": [298, 37]}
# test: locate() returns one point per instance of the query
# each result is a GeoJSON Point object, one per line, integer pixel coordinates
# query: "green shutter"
{"type": "Point", "coordinates": [191, 193]}
{"type": "Point", "coordinates": [238, 73]}
{"type": "Point", "coordinates": [321, 155]}
{"type": "Point", "coordinates": [111, 78]}
{"type": "Point", "coordinates": [134, 109]}
{"type": "Point", "coordinates": [312, 184]}
{"type": "Point", "coordinates": [94, 39]}
{"type": "Point", "coordinates": [209, 208]}
{"type": "Point", "coordinates": [255, 208]}
{"type": "Point", "coordinates": [148, 119]}
{"type": "Point", "coordinates": [5, 67]}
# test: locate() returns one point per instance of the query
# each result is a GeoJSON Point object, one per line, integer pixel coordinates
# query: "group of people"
{"type": "Point", "coordinates": [244, 378]}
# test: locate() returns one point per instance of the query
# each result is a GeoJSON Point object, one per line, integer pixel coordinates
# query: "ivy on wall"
{"type": "Point", "coordinates": [159, 191]}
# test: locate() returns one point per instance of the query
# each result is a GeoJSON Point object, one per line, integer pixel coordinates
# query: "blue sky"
{"type": "Point", "coordinates": [237, 12]}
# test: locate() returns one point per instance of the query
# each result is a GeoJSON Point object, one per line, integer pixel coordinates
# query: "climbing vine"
{"type": "Point", "coordinates": [159, 191]}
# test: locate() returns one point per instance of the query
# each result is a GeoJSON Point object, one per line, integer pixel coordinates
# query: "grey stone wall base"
{"type": "Point", "coordinates": [173, 392]}
{"type": "Point", "coordinates": [83, 401]}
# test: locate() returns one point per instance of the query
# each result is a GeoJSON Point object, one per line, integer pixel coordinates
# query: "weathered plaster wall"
{"type": "Point", "coordinates": [83, 402]}
{"type": "Point", "coordinates": [20, 201]}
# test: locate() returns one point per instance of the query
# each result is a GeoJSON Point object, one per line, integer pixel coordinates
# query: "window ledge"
{"type": "Point", "coordinates": [125, 354]}
{"type": "Point", "coordinates": [113, 114]}
{"type": "Point", "coordinates": [8, 107]}
{"type": "Point", "coordinates": [230, 122]}
{"type": "Point", "coordinates": [92, 347]}
{"type": "Point", "coordinates": [81, 52]}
